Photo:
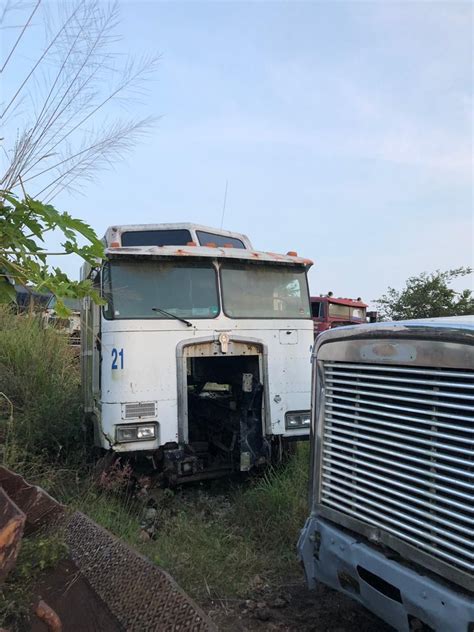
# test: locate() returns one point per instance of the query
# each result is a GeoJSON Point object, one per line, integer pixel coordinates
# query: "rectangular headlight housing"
{"type": "Point", "coordinates": [138, 432]}
{"type": "Point", "coordinates": [297, 420]}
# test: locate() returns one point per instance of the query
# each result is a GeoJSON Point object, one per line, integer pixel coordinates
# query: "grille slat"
{"type": "Point", "coordinates": [137, 410]}
{"type": "Point", "coordinates": [406, 389]}
{"type": "Point", "coordinates": [372, 376]}
{"type": "Point", "coordinates": [377, 460]}
{"type": "Point", "coordinates": [429, 495]}
{"type": "Point", "coordinates": [398, 453]}
{"type": "Point", "coordinates": [456, 527]}
{"type": "Point", "coordinates": [353, 422]}
{"type": "Point", "coordinates": [407, 457]}
{"type": "Point", "coordinates": [441, 424]}
{"type": "Point", "coordinates": [350, 499]}
{"type": "Point", "coordinates": [411, 400]}
{"type": "Point", "coordinates": [395, 369]}
{"type": "Point", "coordinates": [404, 536]}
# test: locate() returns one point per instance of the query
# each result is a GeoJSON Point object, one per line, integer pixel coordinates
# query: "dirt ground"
{"type": "Point", "coordinates": [294, 608]}
{"type": "Point", "coordinates": [290, 608]}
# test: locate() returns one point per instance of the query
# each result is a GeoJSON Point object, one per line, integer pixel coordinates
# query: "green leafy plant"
{"type": "Point", "coordinates": [428, 295]}
{"type": "Point", "coordinates": [38, 553]}
{"type": "Point", "coordinates": [24, 259]}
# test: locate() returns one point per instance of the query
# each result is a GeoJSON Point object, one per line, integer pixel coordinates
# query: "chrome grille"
{"type": "Point", "coordinates": [136, 410]}
{"type": "Point", "coordinates": [398, 454]}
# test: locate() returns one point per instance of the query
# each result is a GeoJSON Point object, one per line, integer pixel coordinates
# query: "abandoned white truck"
{"type": "Point", "coordinates": [199, 361]}
{"type": "Point", "coordinates": [392, 473]}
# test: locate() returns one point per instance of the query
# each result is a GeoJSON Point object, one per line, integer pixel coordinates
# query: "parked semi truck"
{"type": "Point", "coordinates": [392, 471]}
{"type": "Point", "coordinates": [199, 361]}
{"type": "Point", "coordinates": [329, 311]}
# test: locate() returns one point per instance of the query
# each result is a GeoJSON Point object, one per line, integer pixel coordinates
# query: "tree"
{"type": "Point", "coordinates": [54, 113]}
{"type": "Point", "coordinates": [23, 259]}
{"type": "Point", "coordinates": [428, 295]}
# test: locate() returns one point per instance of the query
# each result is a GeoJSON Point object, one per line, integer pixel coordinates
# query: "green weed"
{"type": "Point", "coordinates": [39, 375]}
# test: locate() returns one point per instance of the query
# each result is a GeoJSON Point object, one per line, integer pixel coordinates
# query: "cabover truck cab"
{"type": "Point", "coordinates": [392, 471]}
{"type": "Point", "coordinates": [329, 311]}
{"type": "Point", "coordinates": [199, 362]}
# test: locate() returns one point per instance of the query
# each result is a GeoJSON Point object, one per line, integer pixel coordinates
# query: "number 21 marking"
{"type": "Point", "coordinates": [115, 355]}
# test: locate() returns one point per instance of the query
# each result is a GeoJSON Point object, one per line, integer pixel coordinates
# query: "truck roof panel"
{"type": "Point", "coordinates": [207, 253]}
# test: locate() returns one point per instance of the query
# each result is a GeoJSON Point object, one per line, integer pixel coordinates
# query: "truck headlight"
{"type": "Point", "coordinates": [297, 420]}
{"type": "Point", "coordinates": [123, 434]}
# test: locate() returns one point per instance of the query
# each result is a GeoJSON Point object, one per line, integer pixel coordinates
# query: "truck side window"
{"type": "Point", "coordinates": [316, 309]}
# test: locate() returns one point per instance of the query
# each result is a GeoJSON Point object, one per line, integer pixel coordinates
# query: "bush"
{"type": "Point", "coordinates": [39, 374]}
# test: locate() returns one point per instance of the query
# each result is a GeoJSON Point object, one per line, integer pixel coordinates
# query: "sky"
{"type": "Point", "coordinates": [343, 130]}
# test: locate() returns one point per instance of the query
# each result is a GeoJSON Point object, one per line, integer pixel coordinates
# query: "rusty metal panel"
{"type": "Point", "coordinates": [38, 506]}
{"type": "Point", "coordinates": [138, 593]}
{"type": "Point", "coordinates": [12, 521]}
{"type": "Point", "coordinates": [221, 254]}
{"type": "Point", "coordinates": [214, 348]}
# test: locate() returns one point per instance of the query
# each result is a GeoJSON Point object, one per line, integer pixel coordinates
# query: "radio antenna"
{"type": "Point", "coordinates": [223, 206]}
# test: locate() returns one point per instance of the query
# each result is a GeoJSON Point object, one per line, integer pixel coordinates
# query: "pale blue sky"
{"type": "Point", "coordinates": [344, 130]}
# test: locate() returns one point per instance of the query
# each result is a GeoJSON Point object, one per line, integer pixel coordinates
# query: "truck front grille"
{"type": "Point", "coordinates": [398, 454]}
{"type": "Point", "coordinates": [136, 410]}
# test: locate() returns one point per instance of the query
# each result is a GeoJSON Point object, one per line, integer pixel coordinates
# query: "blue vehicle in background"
{"type": "Point", "coordinates": [392, 471]}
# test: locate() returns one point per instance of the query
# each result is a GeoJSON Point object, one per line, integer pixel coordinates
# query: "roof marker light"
{"type": "Point", "coordinates": [292, 253]}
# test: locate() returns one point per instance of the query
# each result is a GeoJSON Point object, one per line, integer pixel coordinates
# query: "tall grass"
{"type": "Point", "coordinates": [216, 539]}
{"type": "Point", "coordinates": [40, 376]}
{"type": "Point", "coordinates": [216, 546]}
{"type": "Point", "coordinates": [274, 509]}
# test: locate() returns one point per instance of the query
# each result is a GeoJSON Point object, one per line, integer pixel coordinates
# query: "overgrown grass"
{"type": "Point", "coordinates": [217, 539]}
{"type": "Point", "coordinates": [39, 375]}
{"type": "Point", "coordinates": [217, 546]}
{"type": "Point", "coordinates": [217, 542]}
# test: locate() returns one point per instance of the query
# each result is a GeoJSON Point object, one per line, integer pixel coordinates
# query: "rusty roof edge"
{"type": "Point", "coordinates": [339, 300]}
{"type": "Point", "coordinates": [206, 252]}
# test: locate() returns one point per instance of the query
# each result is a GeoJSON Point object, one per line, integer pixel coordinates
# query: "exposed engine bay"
{"type": "Point", "coordinates": [225, 417]}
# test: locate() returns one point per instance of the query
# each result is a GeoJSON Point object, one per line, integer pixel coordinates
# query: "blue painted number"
{"type": "Point", "coordinates": [115, 356]}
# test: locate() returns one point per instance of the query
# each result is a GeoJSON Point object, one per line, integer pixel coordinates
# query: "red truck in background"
{"type": "Point", "coordinates": [329, 311]}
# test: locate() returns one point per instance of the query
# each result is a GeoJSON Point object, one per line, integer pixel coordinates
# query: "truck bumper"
{"type": "Point", "coordinates": [396, 593]}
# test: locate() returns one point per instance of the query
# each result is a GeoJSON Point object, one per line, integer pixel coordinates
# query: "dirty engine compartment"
{"type": "Point", "coordinates": [225, 416]}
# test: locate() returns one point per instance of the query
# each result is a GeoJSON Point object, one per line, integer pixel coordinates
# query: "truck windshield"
{"type": "Point", "coordinates": [134, 288]}
{"type": "Point", "coordinates": [359, 313]}
{"type": "Point", "coordinates": [345, 311]}
{"type": "Point", "coordinates": [259, 291]}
